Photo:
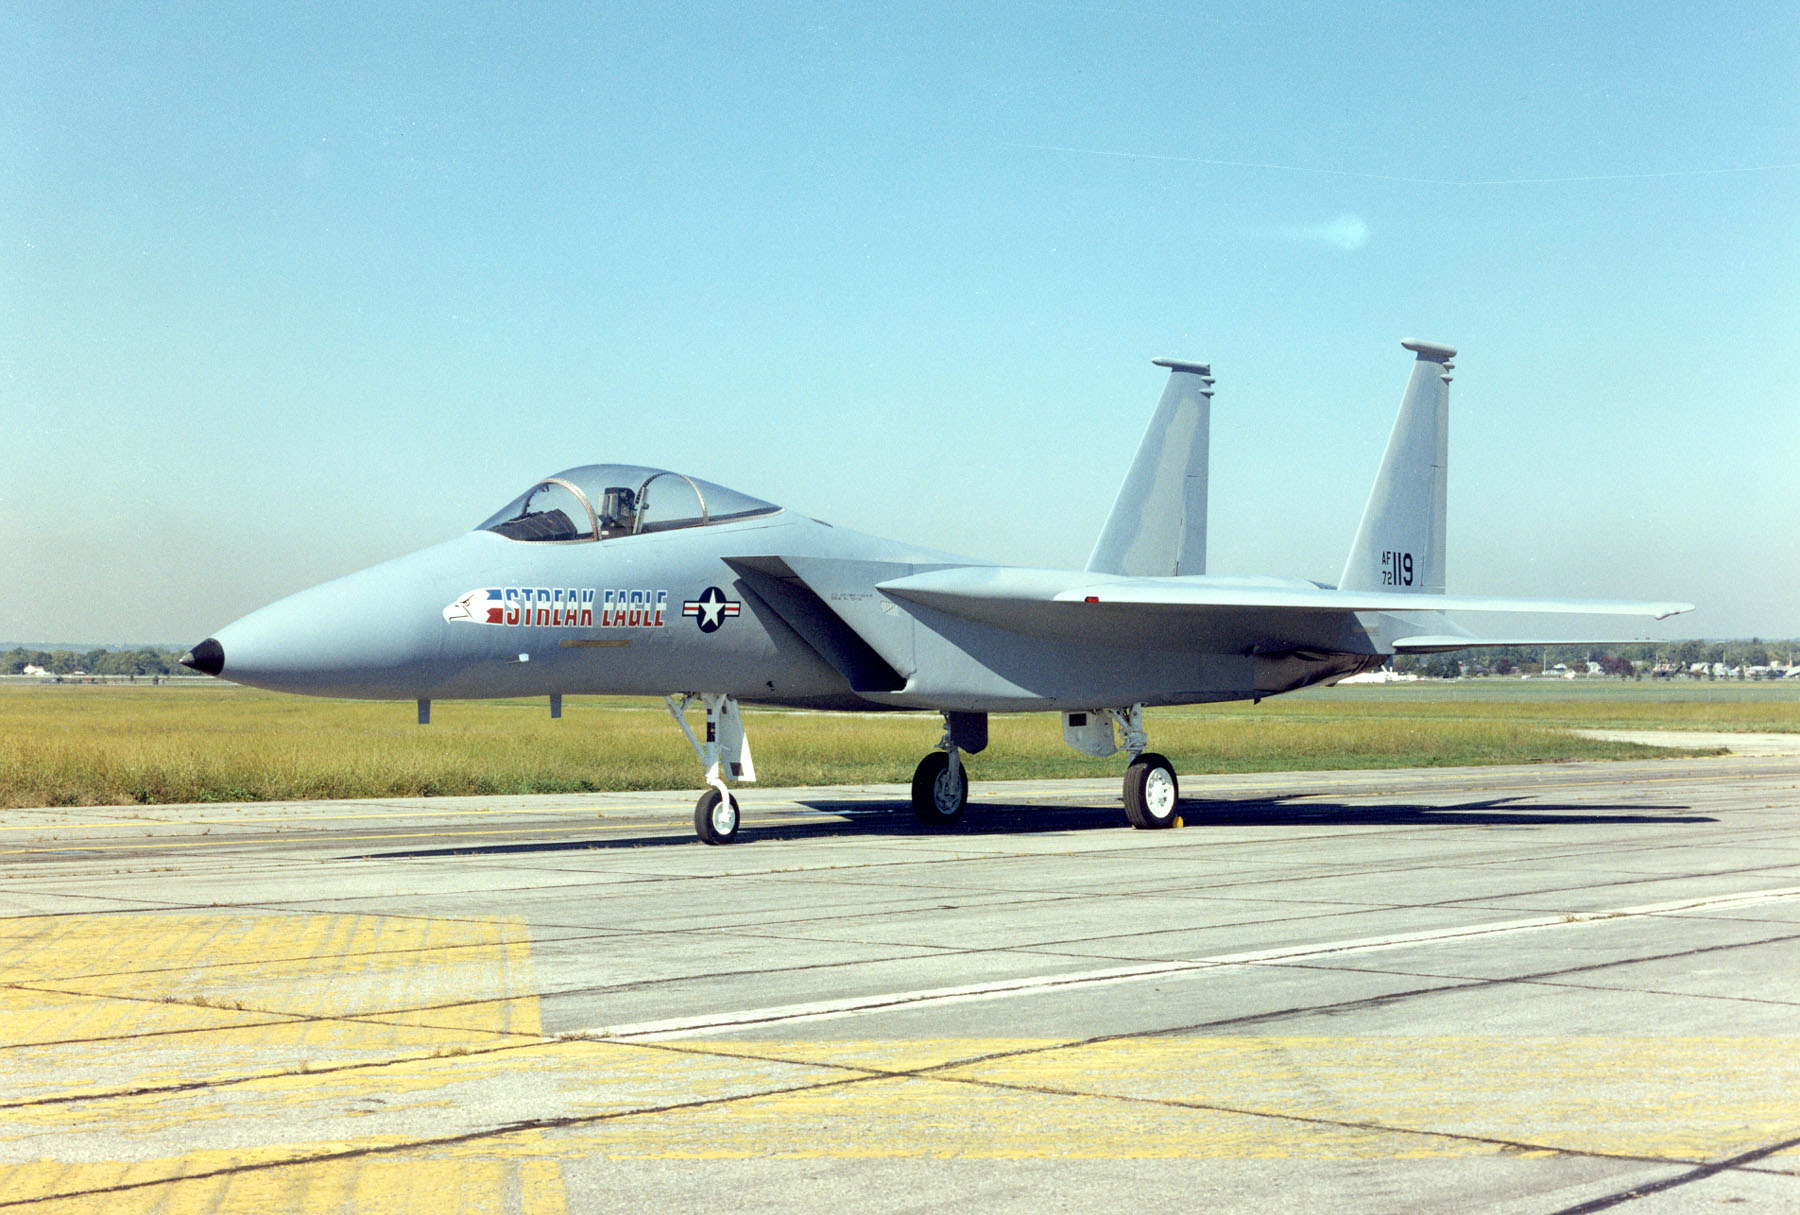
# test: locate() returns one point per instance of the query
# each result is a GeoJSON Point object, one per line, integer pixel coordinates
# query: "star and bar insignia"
{"type": "Point", "coordinates": [712, 609]}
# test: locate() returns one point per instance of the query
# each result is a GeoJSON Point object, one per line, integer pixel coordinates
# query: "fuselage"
{"type": "Point", "coordinates": [484, 615]}
{"type": "Point", "coordinates": [610, 617]}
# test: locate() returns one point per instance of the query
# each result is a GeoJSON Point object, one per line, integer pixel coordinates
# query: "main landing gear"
{"type": "Point", "coordinates": [726, 750]}
{"type": "Point", "coordinates": [1152, 793]}
{"type": "Point", "coordinates": [940, 784]}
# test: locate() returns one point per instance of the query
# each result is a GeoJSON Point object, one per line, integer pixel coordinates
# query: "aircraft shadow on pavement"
{"type": "Point", "coordinates": [863, 818]}
{"type": "Point", "coordinates": [1002, 818]}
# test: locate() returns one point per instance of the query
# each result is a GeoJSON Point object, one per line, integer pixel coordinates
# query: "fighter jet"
{"type": "Point", "coordinates": [618, 579]}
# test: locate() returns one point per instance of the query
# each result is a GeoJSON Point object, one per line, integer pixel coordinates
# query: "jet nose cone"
{"type": "Point", "coordinates": [208, 657]}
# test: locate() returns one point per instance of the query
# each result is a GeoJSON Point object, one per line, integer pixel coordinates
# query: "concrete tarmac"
{"type": "Point", "coordinates": [1518, 989]}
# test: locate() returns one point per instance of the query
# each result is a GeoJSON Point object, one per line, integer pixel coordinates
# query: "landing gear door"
{"type": "Point", "coordinates": [734, 745]}
{"type": "Point", "coordinates": [1090, 733]}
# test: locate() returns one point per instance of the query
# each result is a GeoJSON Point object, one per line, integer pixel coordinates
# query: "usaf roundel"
{"type": "Point", "coordinates": [711, 609]}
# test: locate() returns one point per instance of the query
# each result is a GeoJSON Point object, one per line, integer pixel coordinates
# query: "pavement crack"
{"type": "Point", "coordinates": [226, 1082]}
{"type": "Point", "coordinates": [443, 1141]}
{"type": "Point", "coordinates": [1669, 1183]}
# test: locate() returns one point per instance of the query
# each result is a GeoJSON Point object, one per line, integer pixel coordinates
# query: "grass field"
{"type": "Point", "coordinates": [114, 745]}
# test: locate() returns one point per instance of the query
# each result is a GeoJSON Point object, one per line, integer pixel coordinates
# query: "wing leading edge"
{"type": "Point", "coordinates": [1256, 613]}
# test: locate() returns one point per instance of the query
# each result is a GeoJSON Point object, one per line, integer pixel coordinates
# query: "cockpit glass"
{"type": "Point", "coordinates": [605, 501]}
{"type": "Point", "coordinates": [670, 500]}
{"type": "Point", "coordinates": [549, 510]}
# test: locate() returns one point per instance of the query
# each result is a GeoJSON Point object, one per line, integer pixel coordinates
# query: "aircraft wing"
{"type": "Point", "coordinates": [1246, 613]}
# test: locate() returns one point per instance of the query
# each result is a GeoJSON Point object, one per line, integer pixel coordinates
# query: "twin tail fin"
{"type": "Point", "coordinates": [1157, 527]}
{"type": "Point", "coordinates": [1399, 545]}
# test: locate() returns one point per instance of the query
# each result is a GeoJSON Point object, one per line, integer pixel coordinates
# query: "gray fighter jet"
{"type": "Point", "coordinates": [617, 579]}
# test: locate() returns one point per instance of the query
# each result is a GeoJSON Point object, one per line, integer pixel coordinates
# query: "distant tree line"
{"type": "Point", "coordinates": [93, 662]}
{"type": "Point", "coordinates": [1636, 660]}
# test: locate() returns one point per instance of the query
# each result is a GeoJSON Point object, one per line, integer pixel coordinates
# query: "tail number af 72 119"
{"type": "Point", "coordinates": [1396, 568]}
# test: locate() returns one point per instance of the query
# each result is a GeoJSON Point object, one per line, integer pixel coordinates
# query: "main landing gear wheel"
{"type": "Point", "coordinates": [938, 797]}
{"type": "Point", "coordinates": [1151, 792]}
{"type": "Point", "coordinates": [716, 817]}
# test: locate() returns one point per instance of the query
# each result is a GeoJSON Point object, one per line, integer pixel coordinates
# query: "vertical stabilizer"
{"type": "Point", "coordinates": [1400, 545]}
{"type": "Point", "coordinates": [1158, 522]}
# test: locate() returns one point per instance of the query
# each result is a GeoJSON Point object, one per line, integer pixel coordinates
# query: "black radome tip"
{"type": "Point", "coordinates": [208, 657]}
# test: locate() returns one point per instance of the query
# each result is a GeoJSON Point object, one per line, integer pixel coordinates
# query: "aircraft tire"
{"type": "Point", "coordinates": [716, 818]}
{"type": "Point", "coordinates": [1152, 794]}
{"type": "Point", "coordinates": [937, 801]}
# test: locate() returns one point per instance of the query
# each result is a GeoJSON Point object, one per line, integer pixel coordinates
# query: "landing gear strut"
{"type": "Point", "coordinates": [940, 784]}
{"type": "Point", "coordinates": [726, 749]}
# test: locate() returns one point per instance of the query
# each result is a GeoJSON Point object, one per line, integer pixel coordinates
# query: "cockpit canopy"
{"type": "Point", "coordinates": [604, 501]}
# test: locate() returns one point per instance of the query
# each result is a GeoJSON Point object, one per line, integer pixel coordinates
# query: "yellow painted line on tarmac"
{"type": "Point", "coordinates": [266, 962]}
{"type": "Point", "coordinates": [1243, 1097]}
{"type": "Point", "coordinates": [174, 1081]}
{"type": "Point", "coordinates": [190, 1108]}
{"type": "Point", "coordinates": [32, 1017]}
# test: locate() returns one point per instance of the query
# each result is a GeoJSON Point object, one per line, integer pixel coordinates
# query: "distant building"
{"type": "Point", "coordinates": [1384, 675]}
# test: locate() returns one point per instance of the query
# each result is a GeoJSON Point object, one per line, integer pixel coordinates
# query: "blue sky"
{"type": "Point", "coordinates": [287, 291]}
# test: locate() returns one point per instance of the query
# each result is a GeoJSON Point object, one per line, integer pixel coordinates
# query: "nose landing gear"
{"type": "Point", "coordinates": [726, 749]}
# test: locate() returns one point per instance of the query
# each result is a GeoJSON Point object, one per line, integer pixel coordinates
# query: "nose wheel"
{"type": "Point", "coordinates": [716, 817]}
